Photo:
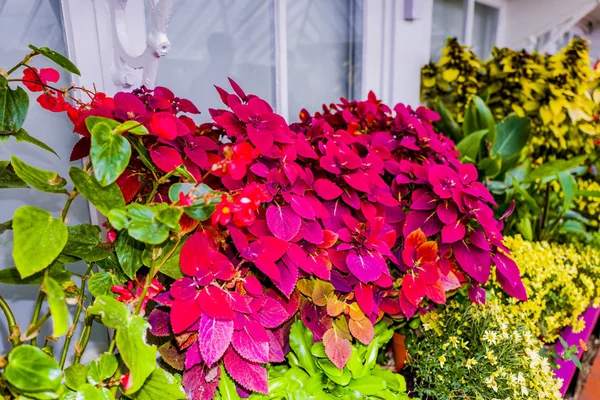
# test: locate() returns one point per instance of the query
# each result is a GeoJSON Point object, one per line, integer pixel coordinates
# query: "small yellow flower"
{"type": "Point", "coordinates": [471, 362]}
{"type": "Point", "coordinates": [442, 360]}
{"type": "Point", "coordinates": [490, 337]}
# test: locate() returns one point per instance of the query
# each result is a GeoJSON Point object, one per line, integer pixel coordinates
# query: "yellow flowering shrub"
{"type": "Point", "coordinates": [555, 91]}
{"type": "Point", "coordinates": [588, 206]}
{"type": "Point", "coordinates": [561, 280]}
{"type": "Point", "coordinates": [476, 352]}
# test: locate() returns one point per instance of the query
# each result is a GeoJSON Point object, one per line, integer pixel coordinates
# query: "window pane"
{"type": "Point", "coordinates": [212, 40]}
{"type": "Point", "coordinates": [485, 25]}
{"type": "Point", "coordinates": [448, 21]}
{"type": "Point", "coordinates": [37, 22]}
{"type": "Point", "coordinates": [324, 41]}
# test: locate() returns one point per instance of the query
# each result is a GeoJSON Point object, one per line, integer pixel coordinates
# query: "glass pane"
{"type": "Point", "coordinates": [324, 52]}
{"type": "Point", "coordinates": [215, 39]}
{"type": "Point", "coordinates": [485, 25]}
{"type": "Point", "coordinates": [38, 22]}
{"type": "Point", "coordinates": [448, 21]}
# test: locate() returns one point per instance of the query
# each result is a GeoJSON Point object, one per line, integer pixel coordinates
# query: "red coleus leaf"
{"type": "Point", "coordinates": [302, 207]}
{"type": "Point", "coordinates": [81, 149]}
{"type": "Point", "coordinates": [184, 313]}
{"type": "Point", "coordinates": [337, 348]}
{"type": "Point", "coordinates": [366, 267]}
{"type": "Point", "coordinates": [407, 307]}
{"type": "Point", "coordinates": [364, 297]}
{"type": "Point", "coordinates": [197, 384]}
{"type": "Point", "coordinates": [413, 288]}
{"type": "Point", "coordinates": [159, 323]}
{"type": "Point", "coordinates": [215, 303]}
{"type": "Point", "coordinates": [436, 292]}
{"type": "Point", "coordinates": [276, 352]}
{"type": "Point", "coordinates": [214, 337]}
{"type": "Point", "coordinates": [251, 376]}
{"type": "Point", "coordinates": [249, 347]}
{"type": "Point", "coordinates": [193, 257]}
{"type": "Point", "coordinates": [473, 260]}
{"type": "Point", "coordinates": [129, 183]}
{"type": "Point", "coordinates": [453, 232]}
{"type": "Point", "coordinates": [283, 222]}
{"type": "Point", "coordinates": [477, 294]}
{"type": "Point", "coordinates": [327, 189]}
{"type": "Point", "coordinates": [166, 158]}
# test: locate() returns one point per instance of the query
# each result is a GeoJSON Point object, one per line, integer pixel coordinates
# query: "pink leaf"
{"type": "Point", "coordinates": [367, 268]}
{"type": "Point", "coordinates": [250, 375]}
{"type": "Point", "coordinates": [364, 298]}
{"type": "Point", "coordinates": [166, 158]}
{"type": "Point", "coordinates": [283, 222]}
{"type": "Point", "coordinates": [196, 386]}
{"type": "Point", "coordinates": [214, 337]}
{"type": "Point", "coordinates": [184, 313]}
{"type": "Point", "coordinates": [302, 207]}
{"type": "Point", "coordinates": [250, 348]}
{"type": "Point", "coordinates": [272, 314]}
{"type": "Point", "coordinates": [337, 348]}
{"type": "Point", "coordinates": [288, 270]}
{"type": "Point", "coordinates": [215, 303]}
{"type": "Point", "coordinates": [454, 232]}
{"type": "Point", "coordinates": [413, 288]}
{"type": "Point", "coordinates": [276, 353]}
{"type": "Point", "coordinates": [327, 189]}
{"type": "Point", "coordinates": [159, 323]}
{"type": "Point", "coordinates": [312, 232]}
{"type": "Point", "coordinates": [473, 260]}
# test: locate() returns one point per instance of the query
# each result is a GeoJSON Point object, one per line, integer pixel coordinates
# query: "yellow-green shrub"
{"type": "Point", "coordinates": [562, 280]}
{"type": "Point", "coordinates": [588, 206]}
{"type": "Point", "coordinates": [476, 352]}
{"type": "Point", "coordinates": [554, 91]}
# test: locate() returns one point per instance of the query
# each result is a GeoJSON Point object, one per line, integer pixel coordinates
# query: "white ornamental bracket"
{"type": "Point", "coordinates": [126, 61]}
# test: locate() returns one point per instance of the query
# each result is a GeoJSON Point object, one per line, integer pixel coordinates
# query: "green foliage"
{"type": "Point", "coordinates": [57, 305]}
{"type": "Point", "coordinates": [45, 181]}
{"type": "Point", "coordinates": [310, 375]}
{"type": "Point", "coordinates": [148, 224]}
{"type": "Point", "coordinates": [110, 153]}
{"type": "Point", "coordinates": [475, 352]}
{"type": "Point", "coordinates": [31, 370]}
{"type": "Point", "coordinates": [14, 104]}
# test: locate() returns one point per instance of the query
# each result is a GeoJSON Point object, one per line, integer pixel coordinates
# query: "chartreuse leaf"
{"type": "Point", "coordinates": [129, 253]}
{"type": "Point", "coordinates": [102, 369]}
{"type": "Point", "coordinates": [14, 104]}
{"type": "Point", "coordinates": [148, 224]}
{"type": "Point", "coordinates": [110, 154]}
{"type": "Point", "coordinates": [161, 385]}
{"type": "Point", "coordinates": [56, 271]}
{"type": "Point", "coordinates": [512, 134]}
{"type": "Point", "coordinates": [368, 385]}
{"type": "Point", "coordinates": [40, 179]}
{"type": "Point", "coordinates": [199, 210]}
{"type": "Point", "coordinates": [168, 258]}
{"type": "Point", "coordinates": [38, 239]}
{"type": "Point", "coordinates": [227, 388]}
{"type": "Point", "coordinates": [139, 357]}
{"type": "Point", "coordinates": [89, 392]}
{"type": "Point", "coordinates": [29, 369]}
{"type": "Point", "coordinates": [301, 340]}
{"type": "Point", "coordinates": [85, 242]}
{"type": "Point", "coordinates": [101, 283]}
{"type": "Point", "coordinates": [104, 198]}
{"type": "Point", "coordinates": [76, 376]}
{"type": "Point", "coordinates": [8, 179]}
{"type": "Point", "coordinates": [470, 145]}
{"type": "Point", "coordinates": [132, 127]}
{"type": "Point", "coordinates": [58, 58]}
{"type": "Point", "coordinates": [479, 117]}
{"type": "Point", "coordinates": [92, 120]}
{"type": "Point", "coordinates": [57, 305]}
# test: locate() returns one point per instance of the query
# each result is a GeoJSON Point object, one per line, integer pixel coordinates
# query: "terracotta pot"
{"type": "Point", "coordinates": [399, 349]}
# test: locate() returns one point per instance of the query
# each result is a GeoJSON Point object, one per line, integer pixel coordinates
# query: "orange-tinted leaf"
{"type": "Point", "coordinates": [306, 286]}
{"type": "Point", "coordinates": [323, 291]}
{"type": "Point", "coordinates": [341, 327]}
{"type": "Point", "coordinates": [355, 312]}
{"type": "Point", "coordinates": [335, 307]}
{"type": "Point", "coordinates": [337, 348]}
{"type": "Point", "coordinates": [362, 330]}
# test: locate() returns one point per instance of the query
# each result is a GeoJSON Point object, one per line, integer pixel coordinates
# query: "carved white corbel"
{"type": "Point", "coordinates": [126, 61]}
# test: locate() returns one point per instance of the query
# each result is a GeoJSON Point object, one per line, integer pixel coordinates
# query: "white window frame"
{"type": "Point", "coordinates": [500, 5]}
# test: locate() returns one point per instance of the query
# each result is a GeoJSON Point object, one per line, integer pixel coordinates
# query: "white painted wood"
{"type": "Point", "coordinates": [469, 18]}
{"type": "Point", "coordinates": [281, 58]}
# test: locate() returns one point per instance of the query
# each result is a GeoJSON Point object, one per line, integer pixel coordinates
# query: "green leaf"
{"type": "Point", "coordinates": [525, 228]}
{"type": "Point", "coordinates": [101, 283]}
{"type": "Point", "coordinates": [110, 154]}
{"type": "Point", "coordinates": [30, 369]}
{"type": "Point", "coordinates": [161, 385]}
{"type": "Point", "coordinates": [447, 125]}
{"type": "Point", "coordinates": [512, 136]}
{"type": "Point", "coordinates": [102, 369]}
{"type": "Point", "coordinates": [76, 375]}
{"type": "Point", "coordinates": [491, 167]}
{"type": "Point", "coordinates": [58, 307]}
{"type": "Point", "coordinates": [139, 357]}
{"type": "Point", "coordinates": [103, 198]}
{"type": "Point", "coordinates": [58, 58]}
{"type": "Point", "coordinates": [301, 340]}
{"type": "Point", "coordinates": [146, 223]}
{"type": "Point", "coordinates": [341, 377]}
{"type": "Point", "coordinates": [554, 167]}
{"type": "Point", "coordinates": [470, 145]}
{"type": "Point", "coordinates": [14, 104]}
{"type": "Point", "coordinates": [143, 153]}
{"type": "Point", "coordinates": [132, 127]}
{"type": "Point", "coordinates": [129, 253]}
{"type": "Point", "coordinates": [22, 136]}
{"type": "Point", "coordinates": [318, 350]}
{"type": "Point", "coordinates": [89, 392]}
{"type": "Point", "coordinates": [92, 121]}
{"type": "Point", "coordinates": [367, 385]}
{"type": "Point", "coordinates": [56, 271]}
{"type": "Point", "coordinates": [588, 193]}
{"type": "Point", "coordinates": [479, 117]}
{"type": "Point", "coordinates": [525, 196]}
{"type": "Point", "coordinates": [85, 243]}
{"type": "Point", "coordinates": [40, 179]}
{"type": "Point", "coordinates": [170, 265]}
{"type": "Point", "coordinates": [8, 179]}
{"type": "Point", "coordinates": [227, 388]}
{"type": "Point", "coordinates": [38, 239]}
{"type": "Point", "coordinates": [575, 360]}
{"type": "Point", "coordinates": [199, 210]}
{"type": "Point", "coordinates": [569, 188]}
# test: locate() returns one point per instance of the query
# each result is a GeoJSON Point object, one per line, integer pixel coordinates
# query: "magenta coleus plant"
{"type": "Point", "coordinates": [356, 213]}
